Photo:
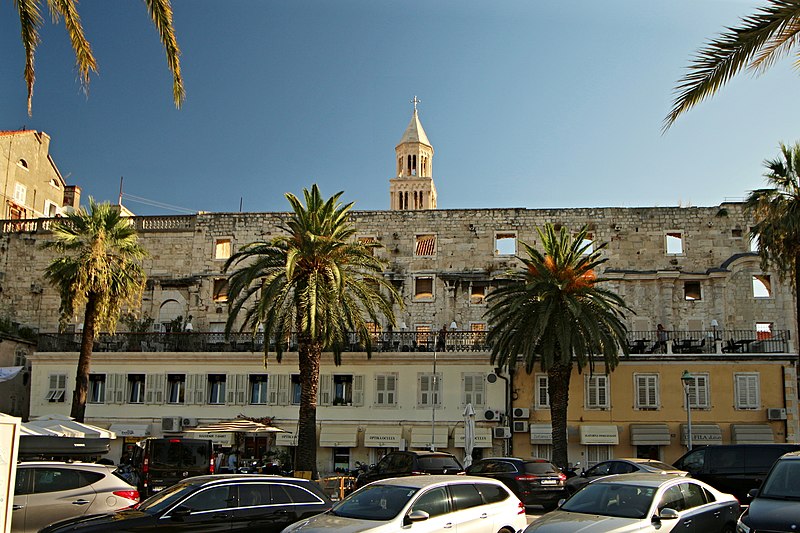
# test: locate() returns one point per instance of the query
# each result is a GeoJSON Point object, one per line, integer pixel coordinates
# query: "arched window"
{"type": "Point", "coordinates": [23, 164]}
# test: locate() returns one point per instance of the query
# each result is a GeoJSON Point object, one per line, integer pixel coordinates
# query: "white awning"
{"type": "Point", "coordinates": [338, 436]}
{"type": "Point", "coordinates": [483, 438]}
{"type": "Point", "coordinates": [288, 437]}
{"type": "Point", "coordinates": [421, 437]}
{"type": "Point", "coordinates": [383, 436]}
{"type": "Point", "coordinates": [220, 439]}
{"type": "Point", "coordinates": [131, 430]}
{"type": "Point", "coordinates": [541, 433]}
{"type": "Point", "coordinates": [602, 435]}
{"type": "Point", "coordinates": [751, 433]}
{"type": "Point", "coordinates": [650, 435]}
{"type": "Point", "coordinates": [67, 427]}
{"type": "Point", "coordinates": [702, 434]}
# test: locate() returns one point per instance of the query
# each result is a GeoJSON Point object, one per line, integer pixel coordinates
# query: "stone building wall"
{"type": "Point", "coordinates": [715, 252]}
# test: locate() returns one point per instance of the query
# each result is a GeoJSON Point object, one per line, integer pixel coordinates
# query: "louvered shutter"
{"type": "Point", "coordinates": [241, 389]}
{"type": "Point", "coordinates": [591, 392]}
{"type": "Point", "coordinates": [468, 389]}
{"type": "Point", "coordinates": [424, 381]}
{"type": "Point", "coordinates": [272, 389]}
{"type": "Point", "coordinates": [391, 389]}
{"type": "Point", "coordinates": [479, 386]}
{"type": "Point", "coordinates": [602, 391]}
{"type": "Point", "coordinates": [358, 390]}
{"type": "Point", "coordinates": [283, 389]}
{"type": "Point", "coordinates": [119, 390]}
{"type": "Point", "coordinates": [380, 390]}
{"type": "Point", "coordinates": [324, 397]}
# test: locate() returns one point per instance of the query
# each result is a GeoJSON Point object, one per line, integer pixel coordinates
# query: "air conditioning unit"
{"type": "Point", "coordinates": [522, 412]}
{"type": "Point", "coordinates": [171, 424]}
{"type": "Point", "coordinates": [491, 415]}
{"type": "Point", "coordinates": [776, 413]}
{"type": "Point", "coordinates": [189, 423]}
{"type": "Point", "coordinates": [520, 426]}
{"type": "Point", "coordinates": [502, 432]}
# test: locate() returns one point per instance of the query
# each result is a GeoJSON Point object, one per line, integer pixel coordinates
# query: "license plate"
{"type": "Point", "coordinates": [157, 489]}
{"type": "Point", "coordinates": [549, 482]}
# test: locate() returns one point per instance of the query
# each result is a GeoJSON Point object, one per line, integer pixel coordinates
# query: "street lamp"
{"type": "Point", "coordinates": [687, 379]}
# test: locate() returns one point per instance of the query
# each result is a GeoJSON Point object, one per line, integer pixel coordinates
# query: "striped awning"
{"type": "Point", "coordinates": [752, 434]}
{"type": "Point", "coordinates": [650, 435]}
{"type": "Point", "coordinates": [238, 425]}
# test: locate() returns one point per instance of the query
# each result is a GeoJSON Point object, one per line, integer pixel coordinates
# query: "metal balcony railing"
{"type": "Point", "coordinates": [639, 342]}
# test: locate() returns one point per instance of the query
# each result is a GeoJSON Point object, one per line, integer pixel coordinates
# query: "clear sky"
{"type": "Point", "coordinates": [534, 104]}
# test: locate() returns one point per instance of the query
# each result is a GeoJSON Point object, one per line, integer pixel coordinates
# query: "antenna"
{"type": "Point", "coordinates": [119, 200]}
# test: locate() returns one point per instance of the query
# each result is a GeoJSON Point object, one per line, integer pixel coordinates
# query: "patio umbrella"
{"type": "Point", "coordinates": [238, 425]}
{"type": "Point", "coordinates": [469, 434]}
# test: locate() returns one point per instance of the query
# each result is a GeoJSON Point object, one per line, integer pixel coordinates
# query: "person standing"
{"type": "Point", "coordinates": [232, 462]}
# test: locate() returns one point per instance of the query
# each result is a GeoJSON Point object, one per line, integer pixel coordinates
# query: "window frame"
{"type": "Point", "coordinates": [699, 390]}
{"type": "Point", "coordinates": [541, 386]}
{"type": "Point", "coordinates": [221, 241]}
{"type": "Point", "coordinates": [757, 278]}
{"type": "Point", "coordinates": [756, 404]}
{"type": "Point", "coordinates": [57, 391]}
{"type": "Point", "coordinates": [656, 385]}
{"type": "Point", "coordinates": [502, 235]}
{"type": "Point", "coordinates": [132, 386]}
{"type": "Point", "coordinates": [94, 379]}
{"type": "Point", "coordinates": [419, 237]}
{"type": "Point", "coordinates": [390, 394]}
{"type": "Point", "coordinates": [435, 389]}
{"type": "Point", "coordinates": [425, 297]}
{"type": "Point", "coordinates": [604, 387]}
{"type": "Point", "coordinates": [674, 234]}
{"type": "Point", "coordinates": [182, 392]}
{"type": "Point", "coordinates": [686, 290]}
{"type": "Point", "coordinates": [217, 392]}
{"type": "Point", "coordinates": [477, 396]}
{"type": "Point", "coordinates": [262, 383]}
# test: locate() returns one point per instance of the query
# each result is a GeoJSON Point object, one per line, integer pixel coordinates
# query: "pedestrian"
{"type": "Point", "coordinates": [441, 339]}
{"type": "Point", "coordinates": [662, 336]}
{"type": "Point", "coordinates": [219, 461]}
{"type": "Point", "coordinates": [232, 461]}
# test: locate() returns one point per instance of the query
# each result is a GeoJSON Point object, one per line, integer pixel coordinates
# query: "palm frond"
{"type": "Point", "coordinates": [161, 13]}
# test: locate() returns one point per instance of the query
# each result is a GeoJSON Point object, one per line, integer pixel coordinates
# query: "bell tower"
{"type": "Point", "coordinates": [413, 187]}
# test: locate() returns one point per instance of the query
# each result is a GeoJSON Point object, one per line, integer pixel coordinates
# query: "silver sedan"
{"type": "Point", "coordinates": [643, 502]}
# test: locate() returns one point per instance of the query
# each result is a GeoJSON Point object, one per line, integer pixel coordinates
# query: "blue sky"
{"type": "Point", "coordinates": [538, 104]}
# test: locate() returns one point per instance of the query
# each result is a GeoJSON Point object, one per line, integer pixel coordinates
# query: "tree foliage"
{"type": "Point", "coordinates": [31, 20]}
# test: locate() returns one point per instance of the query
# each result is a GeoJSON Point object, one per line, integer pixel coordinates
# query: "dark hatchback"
{"type": "Point", "coordinates": [534, 481]}
{"type": "Point", "coordinates": [410, 463]}
{"type": "Point", "coordinates": [213, 503]}
{"type": "Point", "coordinates": [776, 505]}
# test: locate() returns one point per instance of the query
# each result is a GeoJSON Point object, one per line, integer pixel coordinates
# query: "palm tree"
{"type": "Point", "coordinates": [99, 266]}
{"type": "Point", "coordinates": [30, 19]}
{"type": "Point", "coordinates": [776, 212]}
{"type": "Point", "coordinates": [759, 40]}
{"type": "Point", "coordinates": [554, 313]}
{"type": "Point", "coordinates": [315, 281]}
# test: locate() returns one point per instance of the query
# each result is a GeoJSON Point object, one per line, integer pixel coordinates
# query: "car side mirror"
{"type": "Point", "coordinates": [668, 514]}
{"type": "Point", "coordinates": [179, 513]}
{"type": "Point", "coordinates": [752, 493]}
{"type": "Point", "coordinates": [561, 501]}
{"type": "Point", "coordinates": [417, 516]}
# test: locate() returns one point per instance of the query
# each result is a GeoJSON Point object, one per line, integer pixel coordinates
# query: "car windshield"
{"type": "Point", "coordinates": [438, 462]}
{"type": "Point", "coordinates": [184, 453]}
{"type": "Point", "coordinates": [375, 502]}
{"type": "Point", "coordinates": [162, 500]}
{"type": "Point", "coordinates": [782, 481]}
{"type": "Point", "coordinates": [541, 468]}
{"type": "Point", "coordinates": [620, 500]}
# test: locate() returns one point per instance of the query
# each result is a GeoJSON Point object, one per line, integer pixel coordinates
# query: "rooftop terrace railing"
{"type": "Point", "coordinates": [639, 342]}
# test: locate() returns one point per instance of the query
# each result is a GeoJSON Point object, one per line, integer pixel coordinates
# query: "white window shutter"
{"type": "Point", "coordinates": [241, 388]}
{"type": "Point", "coordinates": [230, 389]}
{"type": "Point", "coordinates": [358, 390]}
{"type": "Point", "coordinates": [149, 393]}
{"type": "Point", "coordinates": [283, 389]}
{"type": "Point", "coordinates": [391, 389]}
{"type": "Point", "coordinates": [199, 390]}
{"type": "Point", "coordinates": [479, 384]}
{"type": "Point", "coordinates": [423, 385]}
{"type": "Point", "coordinates": [272, 389]}
{"type": "Point", "coordinates": [158, 386]}
{"type": "Point", "coordinates": [121, 385]}
{"type": "Point", "coordinates": [325, 381]}
{"type": "Point", "coordinates": [191, 380]}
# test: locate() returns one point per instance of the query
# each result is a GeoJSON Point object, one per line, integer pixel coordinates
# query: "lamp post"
{"type": "Point", "coordinates": [687, 379]}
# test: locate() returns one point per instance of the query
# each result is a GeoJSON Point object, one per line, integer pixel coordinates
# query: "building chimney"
{"type": "Point", "coordinates": [72, 196]}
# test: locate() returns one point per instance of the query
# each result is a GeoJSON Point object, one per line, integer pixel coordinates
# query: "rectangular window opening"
{"type": "Point", "coordinates": [674, 243]}
{"type": "Point", "coordinates": [220, 290]}
{"type": "Point", "coordinates": [176, 388]}
{"type": "Point", "coordinates": [692, 291]}
{"type": "Point", "coordinates": [426, 245]}
{"type": "Point", "coordinates": [477, 293]}
{"type": "Point", "coordinates": [216, 389]}
{"type": "Point", "coordinates": [97, 388]}
{"type": "Point", "coordinates": [342, 389]}
{"type": "Point", "coordinates": [762, 286]}
{"type": "Point", "coordinates": [763, 330]}
{"type": "Point", "coordinates": [135, 388]}
{"type": "Point", "coordinates": [222, 249]}
{"type": "Point", "coordinates": [296, 389]}
{"type": "Point", "coordinates": [505, 244]}
{"type": "Point", "coordinates": [258, 389]}
{"type": "Point", "coordinates": [423, 288]}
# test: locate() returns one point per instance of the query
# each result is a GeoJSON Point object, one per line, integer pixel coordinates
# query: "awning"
{"type": "Point", "coordinates": [751, 433]}
{"type": "Point", "coordinates": [383, 436]}
{"type": "Point", "coordinates": [338, 436]}
{"type": "Point", "coordinates": [288, 437]}
{"type": "Point", "coordinates": [421, 437]}
{"type": "Point", "coordinates": [650, 435]}
{"type": "Point", "coordinates": [702, 434]}
{"type": "Point", "coordinates": [483, 438]}
{"type": "Point", "coordinates": [67, 427]}
{"type": "Point", "coordinates": [599, 435]}
{"type": "Point", "coordinates": [220, 439]}
{"type": "Point", "coordinates": [541, 433]}
{"type": "Point", "coordinates": [237, 425]}
{"type": "Point", "coordinates": [131, 430]}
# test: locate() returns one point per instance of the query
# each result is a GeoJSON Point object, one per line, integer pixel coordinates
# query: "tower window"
{"type": "Point", "coordinates": [426, 245]}
{"type": "Point", "coordinates": [505, 243]}
{"type": "Point", "coordinates": [674, 243]}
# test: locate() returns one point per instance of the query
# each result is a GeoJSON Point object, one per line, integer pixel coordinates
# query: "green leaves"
{"type": "Point", "coordinates": [761, 39]}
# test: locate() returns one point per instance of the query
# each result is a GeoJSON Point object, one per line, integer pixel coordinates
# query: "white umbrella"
{"type": "Point", "coordinates": [469, 434]}
{"type": "Point", "coordinates": [239, 425]}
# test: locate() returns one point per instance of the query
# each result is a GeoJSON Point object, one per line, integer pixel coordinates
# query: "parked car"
{"type": "Point", "coordinates": [620, 466]}
{"type": "Point", "coordinates": [734, 468]}
{"type": "Point", "coordinates": [643, 502]}
{"type": "Point", "coordinates": [775, 506]}
{"type": "Point", "coordinates": [423, 504]}
{"type": "Point", "coordinates": [227, 502]}
{"type": "Point", "coordinates": [159, 463]}
{"type": "Point", "coordinates": [534, 481]}
{"type": "Point", "coordinates": [49, 491]}
{"type": "Point", "coordinates": [411, 463]}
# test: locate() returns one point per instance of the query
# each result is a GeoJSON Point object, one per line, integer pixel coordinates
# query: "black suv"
{"type": "Point", "coordinates": [733, 468]}
{"type": "Point", "coordinates": [534, 481]}
{"type": "Point", "coordinates": [227, 502]}
{"type": "Point", "coordinates": [411, 463]}
{"type": "Point", "coordinates": [776, 505]}
{"type": "Point", "coordinates": [158, 463]}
